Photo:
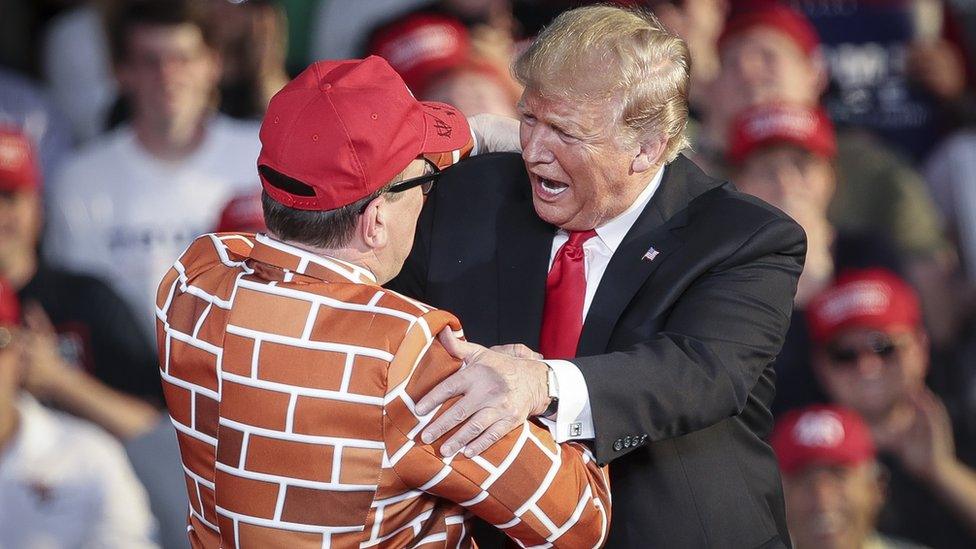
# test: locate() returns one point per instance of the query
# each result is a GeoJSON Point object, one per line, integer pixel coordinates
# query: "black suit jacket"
{"type": "Point", "coordinates": [676, 351]}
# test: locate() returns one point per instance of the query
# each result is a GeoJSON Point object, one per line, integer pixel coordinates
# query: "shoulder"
{"type": "Point", "coordinates": [383, 314]}
{"type": "Point", "coordinates": [88, 166]}
{"type": "Point", "coordinates": [231, 133]}
{"type": "Point", "coordinates": [732, 228]}
{"type": "Point", "coordinates": [486, 175]}
{"type": "Point", "coordinates": [212, 257]}
{"type": "Point", "coordinates": [79, 285]}
{"type": "Point", "coordinates": [716, 207]}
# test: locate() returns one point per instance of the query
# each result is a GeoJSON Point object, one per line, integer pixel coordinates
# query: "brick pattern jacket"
{"type": "Point", "coordinates": [291, 381]}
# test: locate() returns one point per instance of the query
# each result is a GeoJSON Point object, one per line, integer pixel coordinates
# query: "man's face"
{"type": "Point", "coordinates": [788, 177]}
{"type": "Point", "coordinates": [832, 507]}
{"type": "Point", "coordinates": [763, 65]}
{"type": "Point", "coordinates": [872, 370]}
{"type": "Point", "coordinates": [401, 219]}
{"type": "Point", "coordinates": [20, 224]}
{"type": "Point", "coordinates": [579, 161]}
{"type": "Point", "coordinates": [169, 71]}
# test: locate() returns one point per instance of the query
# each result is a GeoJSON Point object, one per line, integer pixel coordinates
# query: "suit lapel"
{"type": "Point", "coordinates": [628, 268]}
{"type": "Point", "coordinates": [524, 246]}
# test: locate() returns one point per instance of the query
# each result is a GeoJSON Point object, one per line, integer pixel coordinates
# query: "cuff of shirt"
{"type": "Point", "coordinates": [573, 419]}
{"type": "Point", "coordinates": [475, 149]}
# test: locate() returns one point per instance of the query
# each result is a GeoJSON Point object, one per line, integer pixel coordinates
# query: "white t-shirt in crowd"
{"type": "Point", "coordinates": [120, 214]}
{"type": "Point", "coordinates": [66, 483]}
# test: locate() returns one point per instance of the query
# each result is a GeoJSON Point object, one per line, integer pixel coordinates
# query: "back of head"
{"type": "Point", "coordinates": [605, 53]}
{"type": "Point", "coordinates": [338, 136]}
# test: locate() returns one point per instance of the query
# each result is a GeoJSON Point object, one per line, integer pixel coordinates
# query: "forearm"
{"type": "Point", "coordinates": [668, 387]}
{"type": "Point", "coordinates": [536, 483]}
{"type": "Point", "coordinates": [121, 415]}
{"type": "Point", "coordinates": [537, 491]}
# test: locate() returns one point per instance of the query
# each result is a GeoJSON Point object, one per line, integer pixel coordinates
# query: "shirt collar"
{"type": "Point", "coordinates": [297, 261]}
{"type": "Point", "coordinates": [612, 232]}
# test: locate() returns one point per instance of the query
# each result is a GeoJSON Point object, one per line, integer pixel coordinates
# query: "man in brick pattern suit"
{"type": "Point", "coordinates": [291, 375]}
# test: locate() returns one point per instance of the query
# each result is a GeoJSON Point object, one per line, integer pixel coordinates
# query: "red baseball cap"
{"type": "Point", "coordinates": [18, 168]}
{"type": "Point", "coordinates": [866, 298]}
{"type": "Point", "coordinates": [821, 435]}
{"type": "Point", "coordinates": [775, 16]}
{"type": "Point", "coordinates": [421, 46]}
{"type": "Point", "coordinates": [9, 305]}
{"type": "Point", "coordinates": [244, 213]}
{"type": "Point", "coordinates": [758, 127]}
{"type": "Point", "coordinates": [344, 129]}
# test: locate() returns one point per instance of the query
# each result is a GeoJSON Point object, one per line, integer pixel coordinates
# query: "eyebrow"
{"type": "Point", "coordinates": [556, 122]}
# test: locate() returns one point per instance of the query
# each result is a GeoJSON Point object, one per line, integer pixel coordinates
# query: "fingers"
{"type": "Point", "coordinates": [460, 411]}
{"type": "Point", "coordinates": [474, 427]}
{"type": "Point", "coordinates": [492, 435]}
{"type": "Point", "coordinates": [457, 347]}
{"type": "Point", "coordinates": [456, 384]}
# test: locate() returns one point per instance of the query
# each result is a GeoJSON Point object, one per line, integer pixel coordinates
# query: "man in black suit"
{"type": "Point", "coordinates": [658, 296]}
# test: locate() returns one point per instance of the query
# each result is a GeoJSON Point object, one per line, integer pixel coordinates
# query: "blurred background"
{"type": "Point", "coordinates": [127, 128]}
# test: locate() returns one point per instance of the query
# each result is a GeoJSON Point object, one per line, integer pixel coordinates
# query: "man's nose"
{"type": "Point", "coordinates": [535, 150]}
{"type": "Point", "coordinates": [869, 364]}
{"type": "Point", "coordinates": [823, 490]}
{"type": "Point", "coordinates": [750, 66]}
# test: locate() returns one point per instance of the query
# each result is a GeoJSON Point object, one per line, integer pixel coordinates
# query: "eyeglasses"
{"type": "Point", "coordinates": [880, 345]}
{"type": "Point", "coordinates": [425, 182]}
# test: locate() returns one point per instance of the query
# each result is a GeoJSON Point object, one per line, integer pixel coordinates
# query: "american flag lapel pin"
{"type": "Point", "coordinates": [650, 254]}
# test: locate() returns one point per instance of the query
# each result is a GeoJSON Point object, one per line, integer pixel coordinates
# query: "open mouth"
{"type": "Point", "coordinates": [551, 188]}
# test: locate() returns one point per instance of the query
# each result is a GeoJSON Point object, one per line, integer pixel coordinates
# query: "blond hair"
{"type": "Point", "coordinates": [604, 53]}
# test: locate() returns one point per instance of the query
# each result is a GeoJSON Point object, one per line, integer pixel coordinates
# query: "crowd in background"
{"type": "Point", "coordinates": [127, 128]}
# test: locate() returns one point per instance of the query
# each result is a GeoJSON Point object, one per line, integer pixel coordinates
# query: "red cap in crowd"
{"type": "Point", "coordinates": [243, 214]}
{"type": "Point", "coordinates": [9, 305]}
{"type": "Point", "coordinates": [346, 128]}
{"type": "Point", "coordinates": [821, 435]}
{"type": "Point", "coordinates": [758, 127]}
{"type": "Point", "coordinates": [18, 168]}
{"type": "Point", "coordinates": [773, 15]}
{"type": "Point", "coordinates": [866, 298]}
{"type": "Point", "coordinates": [421, 46]}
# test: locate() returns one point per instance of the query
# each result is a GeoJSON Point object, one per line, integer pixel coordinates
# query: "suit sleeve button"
{"type": "Point", "coordinates": [618, 445]}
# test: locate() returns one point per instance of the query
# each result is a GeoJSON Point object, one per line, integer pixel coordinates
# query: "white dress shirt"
{"type": "Point", "coordinates": [573, 418]}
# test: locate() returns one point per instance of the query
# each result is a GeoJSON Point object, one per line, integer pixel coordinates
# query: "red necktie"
{"type": "Point", "coordinates": [562, 315]}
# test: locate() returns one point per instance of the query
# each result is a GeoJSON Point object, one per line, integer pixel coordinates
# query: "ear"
{"type": "Point", "coordinates": [373, 224]}
{"type": "Point", "coordinates": [651, 152]}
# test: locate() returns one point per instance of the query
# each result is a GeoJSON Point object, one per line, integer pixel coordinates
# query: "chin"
{"type": "Point", "coordinates": [547, 212]}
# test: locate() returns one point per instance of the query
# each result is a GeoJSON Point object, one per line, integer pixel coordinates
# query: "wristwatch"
{"type": "Point", "coordinates": [553, 391]}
